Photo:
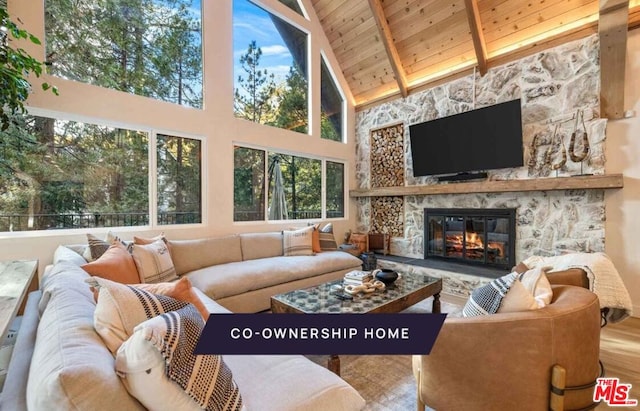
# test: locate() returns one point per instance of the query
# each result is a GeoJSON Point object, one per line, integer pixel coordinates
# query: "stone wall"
{"type": "Point", "coordinates": [554, 86]}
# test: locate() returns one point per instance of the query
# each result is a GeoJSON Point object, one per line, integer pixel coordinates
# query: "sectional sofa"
{"type": "Point", "coordinates": [61, 362]}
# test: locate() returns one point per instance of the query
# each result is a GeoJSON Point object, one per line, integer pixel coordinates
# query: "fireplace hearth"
{"type": "Point", "coordinates": [483, 237]}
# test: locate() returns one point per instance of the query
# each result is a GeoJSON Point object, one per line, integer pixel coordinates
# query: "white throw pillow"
{"type": "Point", "coordinates": [141, 368]}
{"type": "Point", "coordinates": [154, 262]}
{"type": "Point", "coordinates": [158, 367]}
{"type": "Point", "coordinates": [298, 242]}
{"type": "Point", "coordinates": [537, 283]}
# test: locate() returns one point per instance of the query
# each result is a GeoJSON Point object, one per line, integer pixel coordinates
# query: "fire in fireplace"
{"type": "Point", "coordinates": [476, 236]}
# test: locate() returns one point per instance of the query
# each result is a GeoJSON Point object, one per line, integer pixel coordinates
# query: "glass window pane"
{"type": "Point", "coordinates": [270, 69]}
{"type": "Point", "coordinates": [179, 180]}
{"type": "Point", "coordinates": [151, 48]}
{"type": "Point", "coordinates": [248, 184]}
{"type": "Point", "coordinates": [331, 106]}
{"type": "Point", "coordinates": [335, 190]}
{"type": "Point", "coordinates": [301, 187]}
{"type": "Point", "coordinates": [293, 5]}
{"type": "Point", "coordinates": [65, 174]}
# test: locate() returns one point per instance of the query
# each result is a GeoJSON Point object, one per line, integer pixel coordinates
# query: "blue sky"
{"type": "Point", "coordinates": [250, 22]}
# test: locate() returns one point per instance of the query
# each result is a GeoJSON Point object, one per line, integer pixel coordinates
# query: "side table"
{"type": "Point", "coordinates": [17, 279]}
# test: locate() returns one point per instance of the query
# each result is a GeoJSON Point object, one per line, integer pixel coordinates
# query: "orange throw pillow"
{"type": "Point", "coordinates": [315, 240]}
{"type": "Point", "coordinates": [116, 264]}
{"type": "Point", "coordinates": [180, 290]}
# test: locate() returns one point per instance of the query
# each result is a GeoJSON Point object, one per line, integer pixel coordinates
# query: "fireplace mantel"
{"type": "Point", "coordinates": [600, 181]}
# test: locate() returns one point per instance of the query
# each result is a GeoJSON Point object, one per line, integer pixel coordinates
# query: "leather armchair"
{"type": "Point", "coordinates": [505, 361]}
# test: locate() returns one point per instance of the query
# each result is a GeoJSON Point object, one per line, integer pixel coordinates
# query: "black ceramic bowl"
{"type": "Point", "coordinates": [387, 276]}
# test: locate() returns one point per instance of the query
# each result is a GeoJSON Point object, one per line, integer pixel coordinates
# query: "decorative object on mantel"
{"type": "Point", "coordinates": [550, 152]}
{"type": "Point", "coordinates": [579, 158]}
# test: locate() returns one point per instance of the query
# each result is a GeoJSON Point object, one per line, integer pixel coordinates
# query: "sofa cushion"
{"type": "Point", "coordinates": [189, 255]}
{"type": "Point", "coordinates": [71, 368]}
{"type": "Point", "coordinates": [64, 253]}
{"type": "Point", "coordinates": [265, 272]}
{"type": "Point", "coordinates": [261, 245]}
{"type": "Point", "coordinates": [294, 383]}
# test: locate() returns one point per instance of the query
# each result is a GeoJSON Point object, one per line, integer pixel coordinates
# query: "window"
{"type": "Point", "coordinates": [332, 105]}
{"type": "Point", "coordinates": [57, 174]}
{"type": "Point", "coordinates": [335, 189]}
{"type": "Point", "coordinates": [248, 184]}
{"type": "Point", "coordinates": [150, 48]}
{"type": "Point", "coordinates": [300, 186]}
{"type": "Point", "coordinates": [293, 186]}
{"type": "Point", "coordinates": [270, 69]}
{"type": "Point", "coordinates": [179, 180]}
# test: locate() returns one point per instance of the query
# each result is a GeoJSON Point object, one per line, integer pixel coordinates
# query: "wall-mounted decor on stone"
{"type": "Point", "coordinates": [387, 156]}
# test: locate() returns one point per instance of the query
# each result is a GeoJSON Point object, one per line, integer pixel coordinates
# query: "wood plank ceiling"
{"type": "Point", "coordinates": [388, 48]}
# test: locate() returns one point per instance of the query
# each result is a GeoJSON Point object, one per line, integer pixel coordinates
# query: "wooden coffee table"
{"type": "Point", "coordinates": [403, 293]}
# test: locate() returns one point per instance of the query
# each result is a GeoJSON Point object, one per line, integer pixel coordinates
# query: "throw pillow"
{"type": "Point", "coordinates": [315, 240]}
{"type": "Point", "coordinates": [154, 262]}
{"type": "Point", "coordinates": [96, 247]}
{"type": "Point", "coordinates": [327, 240]}
{"type": "Point", "coordinates": [116, 264]}
{"type": "Point", "coordinates": [143, 241]}
{"type": "Point", "coordinates": [160, 370]}
{"type": "Point", "coordinates": [298, 242]}
{"type": "Point", "coordinates": [121, 307]}
{"type": "Point", "coordinates": [503, 295]}
{"type": "Point", "coordinates": [181, 290]}
{"type": "Point", "coordinates": [538, 285]}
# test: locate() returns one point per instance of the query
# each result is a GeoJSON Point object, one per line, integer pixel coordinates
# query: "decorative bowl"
{"type": "Point", "coordinates": [386, 275]}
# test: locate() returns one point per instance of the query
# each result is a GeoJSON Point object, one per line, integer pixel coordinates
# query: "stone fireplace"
{"type": "Point", "coordinates": [474, 236]}
{"type": "Point", "coordinates": [553, 85]}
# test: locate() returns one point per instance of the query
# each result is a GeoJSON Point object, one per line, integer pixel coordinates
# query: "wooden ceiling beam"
{"type": "Point", "coordinates": [612, 29]}
{"type": "Point", "coordinates": [475, 24]}
{"type": "Point", "coordinates": [389, 46]}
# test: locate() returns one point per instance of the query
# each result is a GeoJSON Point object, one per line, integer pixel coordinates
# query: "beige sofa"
{"type": "Point", "coordinates": [61, 363]}
{"type": "Point", "coordinates": [241, 272]}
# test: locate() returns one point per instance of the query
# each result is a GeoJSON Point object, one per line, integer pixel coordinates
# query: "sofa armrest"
{"type": "Point", "coordinates": [14, 393]}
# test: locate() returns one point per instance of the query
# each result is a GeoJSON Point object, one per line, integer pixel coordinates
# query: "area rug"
{"type": "Point", "coordinates": [386, 382]}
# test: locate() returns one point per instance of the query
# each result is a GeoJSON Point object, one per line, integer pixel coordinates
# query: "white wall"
{"type": "Point", "coordinates": [216, 123]}
{"type": "Point", "coordinates": [623, 156]}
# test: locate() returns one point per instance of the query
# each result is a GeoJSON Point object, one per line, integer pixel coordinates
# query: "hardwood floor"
{"type": "Point", "coordinates": [620, 354]}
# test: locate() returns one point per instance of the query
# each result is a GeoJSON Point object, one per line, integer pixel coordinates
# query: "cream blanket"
{"type": "Point", "coordinates": [604, 279]}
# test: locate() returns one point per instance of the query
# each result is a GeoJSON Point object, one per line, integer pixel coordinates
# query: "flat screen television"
{"type": "Point", "coordinates": [478, 140]}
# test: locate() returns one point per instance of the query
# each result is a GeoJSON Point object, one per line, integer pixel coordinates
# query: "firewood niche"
{"type": "Point", "coordinates": [387, 170]}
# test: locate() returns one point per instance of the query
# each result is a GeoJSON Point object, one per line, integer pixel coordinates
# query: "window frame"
{"type": "Point", "coordinates": [306, 28]}
{"type": "Point", "coordinates": [323, 196]}
{"type": "Point", "coordinates": [152, 171]}
{"type": "Point", "coordinates": [332, 73]}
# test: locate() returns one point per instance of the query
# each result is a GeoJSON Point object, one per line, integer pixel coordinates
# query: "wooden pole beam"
{"type": "Point", "coordinates": [475, 24]}
{"type": "Point", "coordinates": [389, 46]}
{"type": "Point", "coordinates": [612, 29]}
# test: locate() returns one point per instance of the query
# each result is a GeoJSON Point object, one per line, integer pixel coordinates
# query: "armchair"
{"type": "Point", "coordinates": [505, 361]}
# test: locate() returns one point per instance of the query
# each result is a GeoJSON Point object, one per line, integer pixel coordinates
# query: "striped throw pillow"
{"type": "Point", "coordinates": [154, 262]}
{"type": "Point", "coordinates": [327, 240]}
{"type": "Point", "coordinates": [298, 242]}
